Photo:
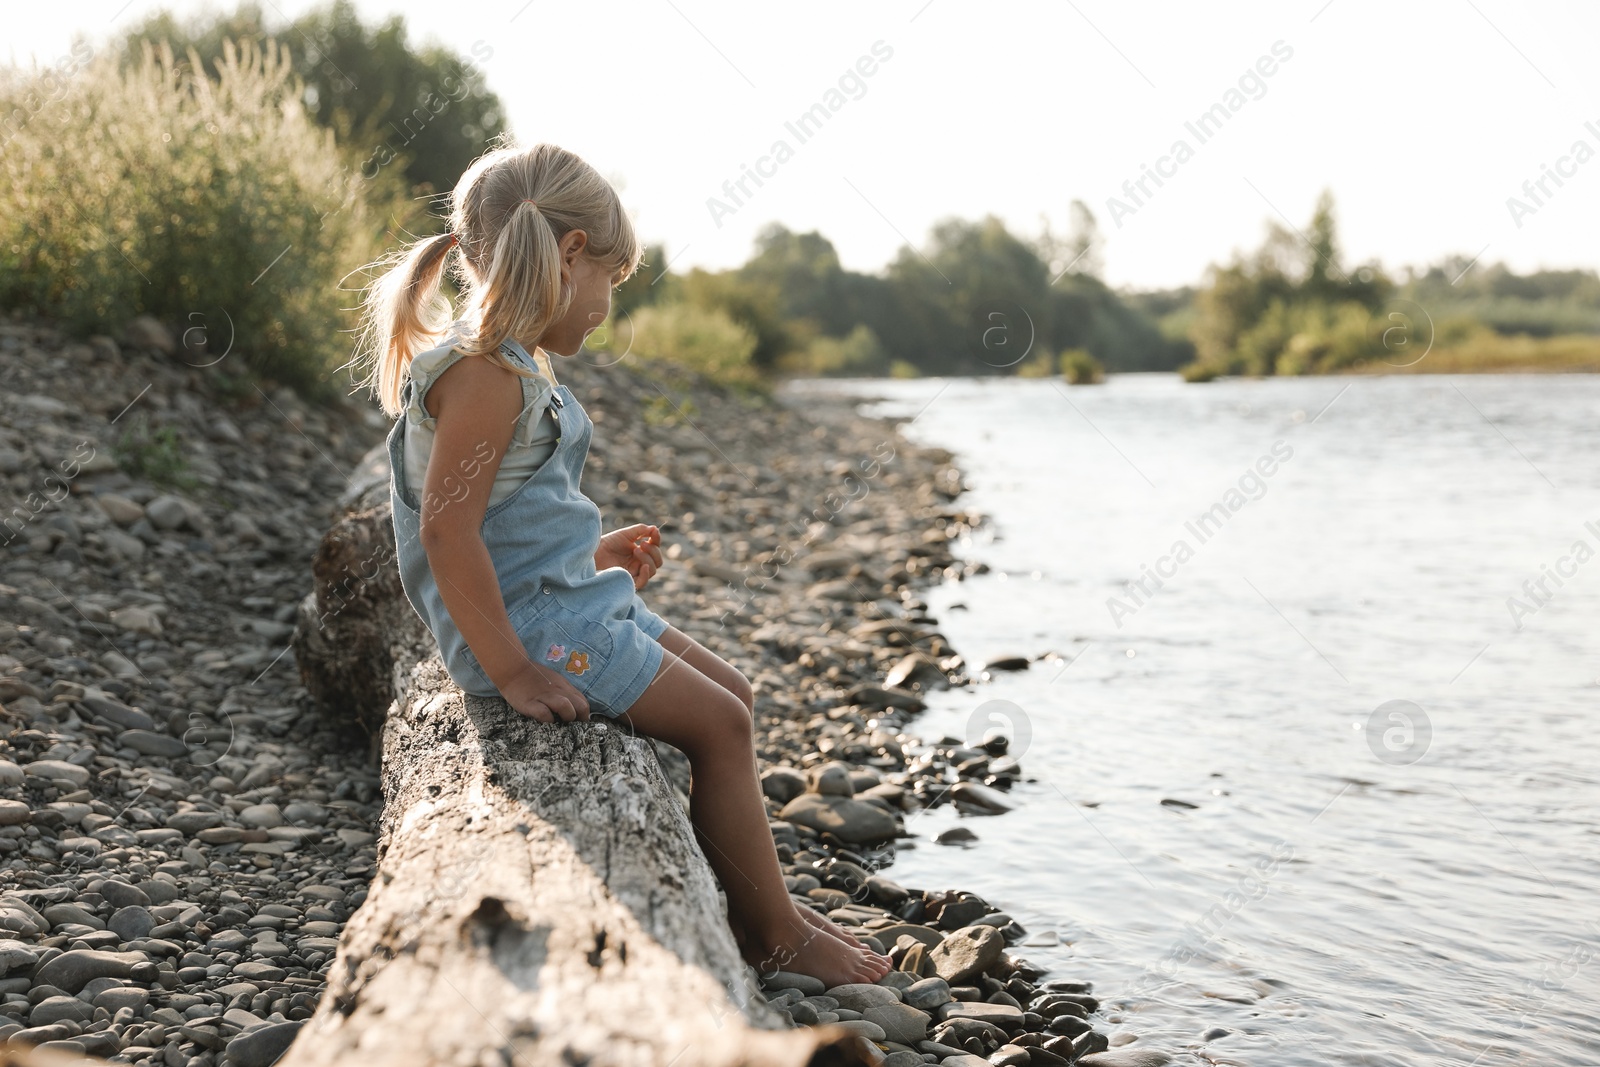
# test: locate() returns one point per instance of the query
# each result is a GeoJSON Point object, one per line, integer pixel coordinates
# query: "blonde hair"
{"type": "Point", "coordinates": [507, 213]}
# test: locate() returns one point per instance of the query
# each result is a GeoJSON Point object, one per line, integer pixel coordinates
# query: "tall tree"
{"type": "Point", "coordinates": [424, 109]}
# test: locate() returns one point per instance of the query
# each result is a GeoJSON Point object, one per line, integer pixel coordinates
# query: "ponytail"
{"type": "Point", "coordinates": [401, 315]}
{"type": "Point", "coordinates": [522, 292]}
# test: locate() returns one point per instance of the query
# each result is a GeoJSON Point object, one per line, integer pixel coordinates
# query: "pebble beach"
{"type": "Point", "coordinates": [183, 834]}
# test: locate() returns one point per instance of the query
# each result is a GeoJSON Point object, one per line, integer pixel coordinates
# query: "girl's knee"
{"type": "Point", "coordinates": [733, 680]}
{"type": "Point", "coordinates": [727, 723]}
{"type": "Point", "coordinates": [746, 692]}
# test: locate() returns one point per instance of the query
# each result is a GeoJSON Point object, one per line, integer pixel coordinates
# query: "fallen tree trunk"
{"type": "Point", "coordinates": [359, 637]}
{"type": "Point", "coordinates": [540, 896]}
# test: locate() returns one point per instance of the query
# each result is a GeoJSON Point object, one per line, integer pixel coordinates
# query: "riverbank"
{"type": "Point", "coordinates": [183, 839]}
{"type": "Point", "coordinates": [1493, 354]}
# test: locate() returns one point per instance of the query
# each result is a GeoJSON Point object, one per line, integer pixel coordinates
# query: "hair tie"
{"type": "Point", "coordinates": [535, 203]}
{"type": "Point", "coordinates": [454, 240]}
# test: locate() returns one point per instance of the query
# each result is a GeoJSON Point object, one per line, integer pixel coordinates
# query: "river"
{"type": "Point", "coordinates": [1309, 731]}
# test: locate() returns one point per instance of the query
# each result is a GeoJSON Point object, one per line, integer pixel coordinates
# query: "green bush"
{"type": "Point", "coordinates": [1080, 368]}
{"type": "Point", "coordinates": [1040, 363]}
{"type": "Point", "coordinates": [205, 203]}
{"type": "Point", "coordinates": [706, 341]}
{"type": "Point", "coordinates": [1306, 337]}
{"type": "Point", "coordinates": [859, 352]}
{"type": "Point", "coordinates": [153, 452]}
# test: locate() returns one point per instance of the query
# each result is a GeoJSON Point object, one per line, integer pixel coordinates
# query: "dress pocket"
{"type": "Point", "coordinates": [524, 617]}
{"type": "Point", "coordinates": [558, 636]}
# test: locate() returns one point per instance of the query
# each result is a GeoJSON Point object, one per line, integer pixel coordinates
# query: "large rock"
{"type": "Point", "coordinates": [983, 797]}
{"type": "Point", "coordinates": [58, 770]}
{"type": "Point", "coordinates": [262, 1046]}
{"type": "Point", "coordinates": [859, 996]}
{"type": "Point", "coordinates": [147, 331]}
{"type": "Point", "coordinates": [833, 779]}
{"type": "Point", "coordinates": [192, 822]}
{"type": "Point", "coordinates": [878, 696]}
{"type": "Point", "coordinates": [1001, 1015]}
{"type": "Point", "coordinates": [900, 1022]}
{"type": "Point", "coordinates": [151, 743]}
{"type": "Point", "coordinates": [122, 895]}
{"type": "Point", "coordinates": [967, 953]}
{"type": "Point", "coordinates": [166, 512]}
{"type": "Point", "coordinates": [120, 509]}
{"type": "Point", "coordinates": [846, 818]}
{"type": "Point", "coordinates": [73, 970]}
{"type": "Point", "coordinates": [119, 997]}
{"type": "Point", "coordinates": [19, 917]}
{"type": "Point", "coordinates": [16, 956]}
{"type": "Point", "coordinates": [137, 620]}
{"type": "Point", "coordinates": [59, 1009]}
{"type": "Point", "coordinates": [782, 784]}
{"type": "Point", "coordinates": [806, 984]}
{"type": "Point", "coordinates": [67, 912]}
{"type": "Point", "coordinates": [962, 912]}
{"type": "Point", "coordinates": [928, 993]}
{"type": "Point", "coordinates": [262, 816]}
{"type": "Point", "coordinates": [132, 922]}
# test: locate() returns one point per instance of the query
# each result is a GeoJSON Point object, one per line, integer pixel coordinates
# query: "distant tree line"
{"type": "Point", "coordinates": [980, 300]}
{"type": "Point", "coordinates": [977, 300]}
{"type": "Point", "coordinates": [1294, 307]}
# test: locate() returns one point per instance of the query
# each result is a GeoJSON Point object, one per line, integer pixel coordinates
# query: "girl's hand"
{"type": "Point", "coordinates": [545, 696]}
{"type": "Point", "coordinates": [636, 549]}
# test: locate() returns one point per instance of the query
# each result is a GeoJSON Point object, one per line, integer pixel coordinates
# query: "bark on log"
{"type": "Point", "coordinates": [540, 896]}
{"type": "Point", "coordinates": [358, 636]}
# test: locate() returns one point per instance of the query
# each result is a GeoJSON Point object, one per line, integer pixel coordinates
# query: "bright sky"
{"type": "Point", "coordinates": [1423, 117]}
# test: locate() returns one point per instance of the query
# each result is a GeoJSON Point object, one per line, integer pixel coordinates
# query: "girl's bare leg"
{"type": "Point", "coordinates": [733, 680]}
{"type": "Point", "coordinates": [713, 727]}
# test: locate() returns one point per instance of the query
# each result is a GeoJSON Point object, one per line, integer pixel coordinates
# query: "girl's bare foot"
{"type": "Point", "coordinates": [749, 949]}
{"type": "Point", "coordinates": [828, 926]}
{"type": "Point", "coordinates": [801, 947]}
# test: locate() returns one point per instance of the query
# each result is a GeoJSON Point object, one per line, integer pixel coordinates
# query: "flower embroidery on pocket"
{"type": "Point", "coordinates": [578, 662]}
{"type": "Point", "coordinates": [555, 653]}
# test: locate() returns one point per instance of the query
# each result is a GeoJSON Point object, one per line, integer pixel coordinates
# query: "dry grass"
{"type": "Point", "coordinates": [216, 205]}
{"type": "Point", "coordinates": [1492, 354]}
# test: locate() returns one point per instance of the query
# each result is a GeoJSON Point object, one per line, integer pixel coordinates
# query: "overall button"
{"type": "Point", "coordinates": [547, 589]}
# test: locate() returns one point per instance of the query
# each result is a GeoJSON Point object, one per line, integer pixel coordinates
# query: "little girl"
{"type": "Point", "coordinates": [500, 551]}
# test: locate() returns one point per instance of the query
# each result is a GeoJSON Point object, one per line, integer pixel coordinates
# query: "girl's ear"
{"type": "Point", "coordinates": [571, 244]}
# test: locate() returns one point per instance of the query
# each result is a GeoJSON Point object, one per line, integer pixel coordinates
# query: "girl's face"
{"type": "Point", "coordinates": [591, 298]}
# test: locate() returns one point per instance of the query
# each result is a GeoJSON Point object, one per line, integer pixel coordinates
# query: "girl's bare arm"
{"type": "Point", "coordinates": [475, 406]}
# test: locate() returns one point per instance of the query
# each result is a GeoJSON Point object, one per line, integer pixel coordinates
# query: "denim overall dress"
{"type": "Point", "coordinates": [590, 626]}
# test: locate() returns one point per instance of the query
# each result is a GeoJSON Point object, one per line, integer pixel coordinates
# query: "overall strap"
{"type": "Point", "coordinates": [425, 369]}
{"type": "Point", "coordinates": [538, 391]}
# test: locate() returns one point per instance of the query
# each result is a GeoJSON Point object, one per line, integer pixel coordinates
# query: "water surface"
{"type": "Point", "coordinates": [1388, 738]}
